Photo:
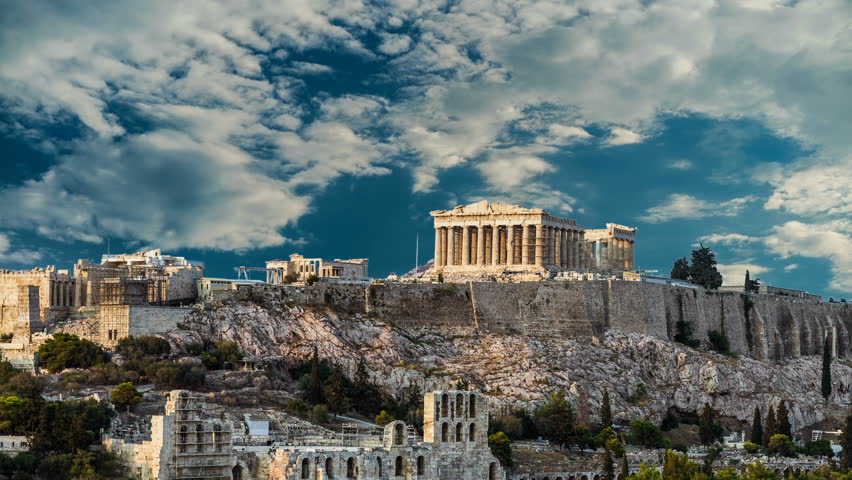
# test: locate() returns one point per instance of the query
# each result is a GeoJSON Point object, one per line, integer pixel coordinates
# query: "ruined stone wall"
{"type": "Point", "coordinates": [766, 327]}
{"type": "Point", "coordinates": [119, 321]}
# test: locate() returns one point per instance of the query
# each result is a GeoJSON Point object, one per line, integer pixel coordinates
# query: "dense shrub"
{"type": "Point", "coordinates": [647, 434]}
{"type": "Point", "coordinates": [138, 347]}
{"type": "Point", "coordinates": [167, 374]}
{"type": "Point", "coordinates": [222, 354]}
{"type": "Point", "coordinates": [69, 351]}
{"type": "Point", "coordinates": [719, 342]}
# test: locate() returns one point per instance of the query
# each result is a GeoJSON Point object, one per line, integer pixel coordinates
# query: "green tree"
{"type": "Point", "coordinates": [703, 271]}
{"type": "Point", "coordinates": [501, 446]}
{"type": "Point", "coordinates": [782, 420]}
{"type": "Point", "coordinates": [719, 342]}
{"type": "Point", "coordinates": [781, 445]}
{"type": "Point", "coordinates": [558, 420]}
{"type": "Point", "coordinates": [125, 394]}
{"type": "Point", "coordinates": [625, 468]}
{"type": "Point", "coordinates": [311, 279]}
{"type": "Point", "coordinates": [365, 394]}
{"type": "Point", "coordinates": [757, 427]}
{"type": "Point", "coordinates": [705, 425]}
{"type": "Point", "coordinates": [820, 448]}
{"type": "Point", "coordinates": [608, 467]}
{"type": "Point", "coordinates": [826, 369]}
{"type": "Point", "coordinates": [314, 383]}
{"type": "Point", "coordinates": [65, 350]}
{"type": "Point", "coordinates": [134, 348]}
{"type": "Point", "coordinates": [647, 434]}
{"type": "Point", "coordinates": [751, 286]}
{"type": "Point", "coordinates": [384, 418]}
{"type": "Point", "coordinates": [646, 472]}
{"type": "Point", "coordinates": [751, 447]}
{"type": "Point", "coordinates": [680, 269]}
{"type": "Point", "coordinates": [846, 444]}
{"type": "Point", "coordinates": [678, 466]}
{"type": "Point", "coordinates": [770, 427]}
{"type": "Point", "coordinates": [337, 392]}
{"type": "Point", "coordinates": [756, 471]}
{"type": "Point", "coordinates": [321, 413]}
{"type": "Point", "coordinates": [606, 410]}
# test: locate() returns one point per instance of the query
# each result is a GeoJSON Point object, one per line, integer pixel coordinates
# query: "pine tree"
{"type": "Point", "coordinates": [826, 369]}
{"type": "Point", "coordinates": [365, 394]}
{"type": "Point", "coordinates": [770, 428]}
{"type": "Point", "coordinates": [757, 428]}
{"type": "Point", "coordinates": [680, 269]}
{"type": "Point", "coordinates": [314, 383]}
{"type": "Point", "coordinates": [705, 425]}
{"type": "Point", "coordinates": [625, 469]}
{"type": "Point", "coordinates": [846, 443]}
{"type": "Point", "coordinates": [608, 468]}
{"type": "Point", "coordinates": [703, 269]}
{"type": "Point", "coordinates": [782, 420]}
{"type": "Point", "coordinates": [559, 420]}
{"type": "Point", "coordinates": [606, 410]}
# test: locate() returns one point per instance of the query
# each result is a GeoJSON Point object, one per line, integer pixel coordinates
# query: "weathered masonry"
{"type": "Point", "coordinates": [495, 236]}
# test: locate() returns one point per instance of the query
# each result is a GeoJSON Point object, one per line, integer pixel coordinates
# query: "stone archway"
{"type": "Point", "coordinates": [237, 473]}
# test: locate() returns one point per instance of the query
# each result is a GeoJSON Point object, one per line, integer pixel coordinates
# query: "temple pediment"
{"type": "Point", "coordinates": [485, 208]}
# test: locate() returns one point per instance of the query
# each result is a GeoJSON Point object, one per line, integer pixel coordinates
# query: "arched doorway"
{"type": "Point", "coordinates": [237, 473]}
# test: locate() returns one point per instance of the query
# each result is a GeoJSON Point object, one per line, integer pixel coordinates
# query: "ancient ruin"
{"type": "Point", "coordinates": [495, 237]}
{"type": "Point", "coordinates": [300, 268]}
{"type": "Point", "coordinates": [186, 444]}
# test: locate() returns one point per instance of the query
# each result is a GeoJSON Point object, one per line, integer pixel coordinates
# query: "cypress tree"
{"type": "Point", "coordinates": [608, 468]}
{"type": "Point", "coordinates": [705, 425]}
{"type": "Point", "coordinates": [625, 469]}
{"type": "Point", "coordinates": [826, 369]}
{"type": "Point", "coordinates": [770, 428]}
{"type": "Point", "coordinates": [846, 443]}
{"type": "Point", "coordinates": [606, 410]}
{"type": "Point", "coordinates": [782, 420]}
{"type": "Point", "coordinates": [756, 428]}
{"type": "Point", "coordinates": [680, 269]}
{"type": "Point", "coordinates": [314, 383]}
{"type": "Point", "coordinates": [337, 393]}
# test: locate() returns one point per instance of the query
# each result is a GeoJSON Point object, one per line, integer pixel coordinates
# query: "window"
{"type": "Point", "coordinates": [421, 465]}
{"type": "Point", "coordinates": [329, 467]}
{"type": "Point", "coordinates": [199, 438]}
{"type": "Point", "coordinates": [444, 432]}
{"type": "Point", "coordinates": [398, 434]}
{"type": "Point", "coordinates": [350, 468]}
{"type": "Point", "coordinates": [472, 401]}
{"type": "Point", "coordinates": [445, 401]}
{"type": "Point", "coordinates": [306, 469]}
{"type": "Point", "coordinates": [492, 471]}
{"type": "Point", "coordinates": [459, 405]}
{"type": "Point", "coordinates": [471, 434]}
{"type": "Point", "coordinates": [398, 467]}
{"type": "Point", "coordinates": [379, 462]}
{"type": "Point", "coordinates": [458, 432]}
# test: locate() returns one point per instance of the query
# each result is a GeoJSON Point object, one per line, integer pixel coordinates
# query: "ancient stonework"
{"type": "Point", "coordinates": [494, 238]}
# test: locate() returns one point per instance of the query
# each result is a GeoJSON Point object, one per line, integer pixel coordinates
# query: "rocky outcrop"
{"type": "Point", "coordinates": [522, 370]}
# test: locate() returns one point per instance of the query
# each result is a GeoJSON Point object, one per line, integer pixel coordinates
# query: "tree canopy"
{"type": "Point", "coordinates": [65, 350]}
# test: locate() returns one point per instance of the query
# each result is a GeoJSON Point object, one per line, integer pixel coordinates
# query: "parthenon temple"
{"type": "Point", "coordinates": [500, 237]}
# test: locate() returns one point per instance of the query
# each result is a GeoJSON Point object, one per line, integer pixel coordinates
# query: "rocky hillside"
{"type": "Point", "coordinates": [519, 370]}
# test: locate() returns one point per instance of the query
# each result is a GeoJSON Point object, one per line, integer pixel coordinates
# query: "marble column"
{"type": "Point", "coordinates": [557, 246]}
{"type": "Point", "coordinates": [581, 251]}
{"type": "Point", "coordinates": [438, 247]}
{"type": "Point", "coordinates": [631, 253]}
{"type": "Point", "coordinates": [495, 245]}
{"type": "Point", "coordinates": [539, 244]}
{"type": "Point", "coordinates": [465, 245]}
{"type": "Point", "coordinates": [480, 245]}
{"type": "Point", "coordinates": [525, 245]}
{"type": "Point", "coordinates": [510, 245]}
{"type": "Point", "coordinates": [444, 234]}
{"type": "Point", "coordinates": [452, 246]}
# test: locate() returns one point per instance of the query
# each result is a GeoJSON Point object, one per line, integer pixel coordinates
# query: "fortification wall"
{"type": "Point", "coordinates": [767, 327]}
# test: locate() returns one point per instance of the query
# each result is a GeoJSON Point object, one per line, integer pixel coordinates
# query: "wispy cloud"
{"type": "Point", "coordinates": [688, 207]}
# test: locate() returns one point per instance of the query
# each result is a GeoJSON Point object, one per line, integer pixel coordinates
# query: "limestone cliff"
{"type": "Point", "coordinates": [521, 370]}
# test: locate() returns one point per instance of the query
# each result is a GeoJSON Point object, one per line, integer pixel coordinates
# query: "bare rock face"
{"type": "Point", "coordinates": [522, 371]}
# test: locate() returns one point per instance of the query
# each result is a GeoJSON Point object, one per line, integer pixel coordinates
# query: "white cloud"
{"type": "Point", "coordinates": [308, 68]}
{"type": "Point", "coordinates": [506, 170]}
{"type": "Point", "coordinates": [813, 189]}
{"type": "Point", "coordinates": [21, 256]}
{"type": "Point", "coordinates": [622, 136]}
{"type": "Point", "coordinates": [558, 134]}
{"type": "Point", "coordinates": [683, 206]}
{"type": "Point", "coordinates": [791, 267]}
{"type": "Point", "coordinates": [734, 273]}
{"type": "Point", "coordinates": [681, 164]}
{"type": "Point", "coordinates": [393, 44]}
{"type": "Point", "coordinates": [825, 241]}
{"type": "Point", "coordinates": [727, 239]}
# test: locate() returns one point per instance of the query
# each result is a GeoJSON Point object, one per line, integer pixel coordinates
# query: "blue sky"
{"type": "Point", "coordinates": [237, 134]}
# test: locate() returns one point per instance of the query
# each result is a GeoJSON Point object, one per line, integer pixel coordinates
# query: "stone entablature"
{"type": "Point", "coordinates": [498, 237]}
